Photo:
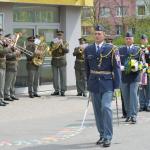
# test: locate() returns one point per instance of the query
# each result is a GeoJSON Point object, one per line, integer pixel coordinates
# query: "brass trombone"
{"type": "Point", "coordinates": [24, 50]}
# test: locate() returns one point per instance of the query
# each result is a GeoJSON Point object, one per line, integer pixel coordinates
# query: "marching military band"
{"type": "Point", "coordinates": [99, 68]}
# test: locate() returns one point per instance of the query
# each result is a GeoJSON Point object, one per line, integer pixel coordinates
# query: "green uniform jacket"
{"type": "Point", "coordinates": [30, 65]}
{"type": "Point", "coordinates": [11, 62]}
{"type": "Point", "coordinates": [59, 56]}
{"type": "Point", "coordinates": [3, 52]}
{"type": "Point", "coordinates": [79, 63]}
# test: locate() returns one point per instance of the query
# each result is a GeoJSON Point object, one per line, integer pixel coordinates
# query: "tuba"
{"type": "Point", "coordinates": [40, 52]}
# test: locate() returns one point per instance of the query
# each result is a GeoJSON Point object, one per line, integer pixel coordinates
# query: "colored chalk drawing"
{"type": "Point", "coordinates": [62, 134]}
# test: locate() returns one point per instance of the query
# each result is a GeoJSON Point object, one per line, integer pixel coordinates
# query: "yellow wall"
{"type": "Point", "coordinates": [55, 2]}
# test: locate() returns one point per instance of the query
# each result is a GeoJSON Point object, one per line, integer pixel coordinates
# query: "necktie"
{"type": "Point", "coordinates": [128, 49]}
{"type": "Point", "coordinates": [98, 49]}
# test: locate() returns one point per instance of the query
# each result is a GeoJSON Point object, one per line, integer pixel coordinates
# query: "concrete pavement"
{"type": "Point", "coordinates": [53, 123]}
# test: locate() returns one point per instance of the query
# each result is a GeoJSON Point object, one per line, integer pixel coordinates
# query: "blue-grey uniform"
{"type": "Point", "coordinates": [144, 90]}
{"type": "Point", "coordinates": [130, 81]}
{"type": "Point", "coordinates": [103, 76]}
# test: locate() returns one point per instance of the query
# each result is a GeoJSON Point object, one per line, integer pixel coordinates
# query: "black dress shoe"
{"type": "Point", "coordinates": [84, 95]}
{"type": "Point", "coordinates": [8, 99]}
{"type": "Point", "coordinates": [148, 109]}
{"type": "Point", "coordinates": [31, 96]}
{"type": "Point", "coordinates": [100, 141]}
{"type": "Point", "coordinates": [55, 93]}
{"type": "Point", "coordinates": [128, 119]}
{"type": "Point", "coordinates": [14, 98]}
{"type": "Point", "coordinates": [2, 104]}
{"type": "Point", "coordinates": [106, 143]}
{"type": "Point", "coordinates": [62, 93]}
{"type": "Point", "coordinates": [79, 94]}
{"type": "Point", "coordinates": [141, 109]}
{"type": "Point", "coordinates": [123, 116]}
{"type": "Point", "coordinates": [133, 120]}
{"type": "Point", "coordinates": [36, 95]}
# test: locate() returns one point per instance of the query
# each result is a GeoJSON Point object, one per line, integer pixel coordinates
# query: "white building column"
{"type": "Point", "coordinates": [70, 23]}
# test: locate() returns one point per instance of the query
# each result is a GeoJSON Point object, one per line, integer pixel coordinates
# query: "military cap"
{"type": "Point", "coordinates": [31, 38]}
{"type": "Point", "coordinates": [129, 34]}
{"type": "Point", "coordinates": [82, 39]}
{"type": "Point", "coordinates": [99, 28]}
{"type": "Point", "coordinates": [59, 32]}
{"type": "Point", "coordinates": [143, 36]}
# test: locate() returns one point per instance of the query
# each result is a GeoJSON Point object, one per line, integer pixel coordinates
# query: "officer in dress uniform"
{"type": "Point", "coordinates": [144, 90]}
{"type": "Point", "coordinates": [3, 51]}
{"type": "Point", "coordinates": [102, 63]}
{"type": "Point", "coordinates": [130, 77]}
{"type": "Point", "coordinates": [109, 39]}
{"type": "Point", "coordinates": [59, 64]}
{"type": "Point", "coordinates": [80, 67]}
{"type": "Point", "coordinates": [33, 70]}
{"type": "Point", "coordinates": [11, 73]}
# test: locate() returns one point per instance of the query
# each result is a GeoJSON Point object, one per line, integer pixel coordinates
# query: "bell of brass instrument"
{"type": "Point", "coordinates": [81, 49]}
{"type": "Point", "coordinates": [57, 44]}
{"type": "Point", "coordinates": [40, 52]}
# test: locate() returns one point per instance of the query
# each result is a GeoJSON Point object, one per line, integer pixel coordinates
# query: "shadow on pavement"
{"type": "Point", "coordinates": [63, 147]}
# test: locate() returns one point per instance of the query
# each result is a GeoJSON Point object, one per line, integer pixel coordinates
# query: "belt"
{"type": "Point", "coordinates": [2, 59]}
{"type": "Point", "coordinates": [11, 62]}
{"type": "Point", "coordinates": [100, 72]}
{"type": "Point", "coordinates": [58, 57]}
{"type": "Point", "coordinates": [80, 60]}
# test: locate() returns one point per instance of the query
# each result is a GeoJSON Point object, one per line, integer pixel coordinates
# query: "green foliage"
{"type": "Point", "coordinates": [118, 40]}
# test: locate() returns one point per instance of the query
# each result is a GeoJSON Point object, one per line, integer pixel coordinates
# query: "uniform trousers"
{"type": "Point", "coordinates": [10, 80]}
{"type": "Point", "coordinates": [33, 80]}
{"type": "Point", "coordinates": [80, 80]}
{"type": "Point", "coordinates": [130, 98]}
{"type": "Point", "coordinates": [144, 95]}
{"type": "Point", "coordinates": [103, 113]}
{"type": "Point", "coordinates": [2, 83]}
{"type": "Point", "coordinates": [59, 78]}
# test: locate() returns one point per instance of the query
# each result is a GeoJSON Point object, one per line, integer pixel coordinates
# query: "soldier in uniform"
{"type": "Point", "coordinates": [59, 64]}
{"type": "Point", "coordinates": [144, 90]}
{"type": "Point", "coordinates": [3, 51]}
{"type": "Point", "coordinates": [33, 70]}
{"type": "Point", "coordinates": [80, 67]}
{"type": "Point", "coordinates": [102, 63]}
{"type": "Point", "coordinates": [11, 73]}
{"type": "Point", "coordinates": [130, 77]}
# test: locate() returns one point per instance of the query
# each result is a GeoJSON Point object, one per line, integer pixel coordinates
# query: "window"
{"type": "Point", "coordinates": [86, 30]}
{"type": "Point", "coordinates": [121, 11]}
{"type": "Point", "coordinates": [1, 20]}
{"type": "Point", "coordinates": [119, 29]}
{"type": "Point", "coordinates": [141, 10]}
{"type": "Point", "coordinates": [86, 13]}
{"type": "Point", "coordinates": [104, 12]}
{"type": "Point", "coordinates": [131, 30]}
{"type": "Point", "coordinates": [36, 14]}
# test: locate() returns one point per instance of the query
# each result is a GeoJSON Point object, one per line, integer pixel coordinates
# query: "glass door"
{"type": "Point", "coordinates": [22, 72]}
{"type": "Point", "coordinates": [46, 69]}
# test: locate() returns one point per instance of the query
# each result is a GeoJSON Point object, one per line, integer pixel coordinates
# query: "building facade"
{"type": "Point", "coordinates": [43, 17]}
{"type": "Point", "coordinates": [113, 14]}
{"type": "Point", "coordinates": [142, 8]}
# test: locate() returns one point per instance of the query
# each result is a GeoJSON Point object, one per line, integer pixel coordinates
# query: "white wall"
{"type": "Point", "coordinates": [8, 17]}
{"type": "Point", "coordinates": [70, 23]}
